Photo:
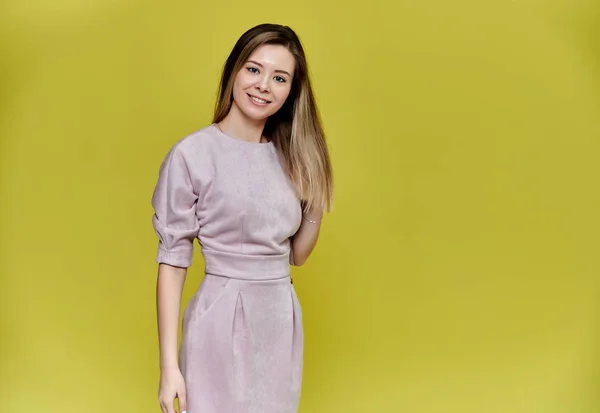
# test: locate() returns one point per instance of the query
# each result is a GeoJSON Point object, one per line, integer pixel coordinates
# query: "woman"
{"type": "Point", "coordinates": [252, 188]}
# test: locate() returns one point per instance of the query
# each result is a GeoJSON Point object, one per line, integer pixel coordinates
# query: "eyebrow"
{"type": "Point", "coordinates": [277, 71]}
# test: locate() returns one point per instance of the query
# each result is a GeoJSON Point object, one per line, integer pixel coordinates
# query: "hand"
{"type": "Point", "coordinates": [172, 386]}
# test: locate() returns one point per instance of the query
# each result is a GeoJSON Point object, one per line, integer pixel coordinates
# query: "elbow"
{"type": "Point", "coordinates": [299, 255]}
{"type": "Point", "coordinates": [298, 263]}
{"type": "Point", "coordinates": [299, 260]}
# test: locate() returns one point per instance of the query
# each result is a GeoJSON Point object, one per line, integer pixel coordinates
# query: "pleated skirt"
{"type": "Point", "coordinates": [242, 346]}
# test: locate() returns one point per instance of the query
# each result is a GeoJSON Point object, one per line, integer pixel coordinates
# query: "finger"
{"type": "Point", "coordinates": [167, 407]}
{"type": "Point", "coordinates": [171, 406]}
{"type": "Point", "coordinates": [182, 401]}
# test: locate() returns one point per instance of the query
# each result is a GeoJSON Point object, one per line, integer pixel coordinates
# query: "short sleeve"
{"type": "Point", "coordinates": [174, 202]}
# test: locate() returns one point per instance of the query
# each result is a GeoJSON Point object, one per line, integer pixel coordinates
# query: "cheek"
{"type": "Point", "coordinates": [283, 93]}
{"type": "Point", "coordinates": [239, 90]}
{"type": "Point", "coordinates": [242, 82]}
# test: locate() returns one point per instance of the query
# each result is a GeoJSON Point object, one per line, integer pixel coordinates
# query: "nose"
{"type": "Point", "coordinates": [263, 84]}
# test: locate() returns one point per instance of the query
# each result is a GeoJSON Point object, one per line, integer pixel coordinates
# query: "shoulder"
{"type": "Point", "coordinates": [196, 143]}
{"type": "Point", "coordinates": [193, 152]}
{"type": "Point", "coordinates": [194, 156]}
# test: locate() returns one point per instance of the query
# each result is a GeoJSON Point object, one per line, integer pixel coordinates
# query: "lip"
{"type": "Point", "coordinates": [257, 103]}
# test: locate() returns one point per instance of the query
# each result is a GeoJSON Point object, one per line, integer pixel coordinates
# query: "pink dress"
{"type": "Point", "coordinates": [242, 336]}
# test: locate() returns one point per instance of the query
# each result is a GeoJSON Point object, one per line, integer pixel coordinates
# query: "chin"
{"type": "Point", "coordinates": [253, 114]}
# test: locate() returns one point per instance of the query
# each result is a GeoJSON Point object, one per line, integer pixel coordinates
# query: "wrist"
{"type": "Point", "coordinates": [313, 214]}
{"type": "Point", "coordinates": [312, 218]}
{"type": "Point", "coordinates": [165, 366]}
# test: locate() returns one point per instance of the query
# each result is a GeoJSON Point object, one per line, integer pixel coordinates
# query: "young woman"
{"type": "Point", "coordinates": [252, 188]}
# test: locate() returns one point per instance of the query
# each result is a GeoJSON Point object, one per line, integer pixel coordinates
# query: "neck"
{"type": "Point", "coordinates": [240, 126]}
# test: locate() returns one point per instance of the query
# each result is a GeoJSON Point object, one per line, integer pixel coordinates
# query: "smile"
{"type": "Point", "coordinates": [258, 101]}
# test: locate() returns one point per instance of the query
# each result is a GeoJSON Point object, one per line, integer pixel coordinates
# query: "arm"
{"type": "Point", "coordinates": [305, 239]}
{"type": "Point", "coordinates": [169, 288]}
{"type": "Point", "coordinates": [175, 223]}
{"type": "Point", "coordinates": [174, 202]}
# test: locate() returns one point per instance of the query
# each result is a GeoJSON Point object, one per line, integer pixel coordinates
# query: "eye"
{"type": "Point", "coordinates": [252, 69]}
{"type": "Point", "coordinates": [280, 79]}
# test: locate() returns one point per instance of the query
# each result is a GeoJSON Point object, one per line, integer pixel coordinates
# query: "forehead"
{"type": "Point", "coordinates": [275, 57]}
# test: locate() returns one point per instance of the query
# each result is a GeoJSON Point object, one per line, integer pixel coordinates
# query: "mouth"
{"type": "Point", "coordinates": [258, 101]}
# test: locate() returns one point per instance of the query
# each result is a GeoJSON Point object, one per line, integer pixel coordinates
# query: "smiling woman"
{"type": "Point", "coordinates": [260, 89]}
{"type": "Point", "coordinates": [252, 188]}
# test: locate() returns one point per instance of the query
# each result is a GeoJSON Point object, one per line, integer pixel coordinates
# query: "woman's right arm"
{"type": "Point", "coordinates": [174, 201]}
{"type": "Point", "coordinates": [169, 288]}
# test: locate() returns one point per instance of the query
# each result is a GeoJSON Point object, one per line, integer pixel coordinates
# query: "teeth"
{"type": "Point", "coordinates": [258, 100]}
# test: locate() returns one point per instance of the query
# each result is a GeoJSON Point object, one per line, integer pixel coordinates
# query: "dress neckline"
{"type": "Point", "coordinates": [240, 141]}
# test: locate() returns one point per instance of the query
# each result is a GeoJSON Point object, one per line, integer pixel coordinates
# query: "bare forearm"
{"type": "Point", "coordinates": [305, 239]}
{"type": "Point", "coordinates": [169, 288]}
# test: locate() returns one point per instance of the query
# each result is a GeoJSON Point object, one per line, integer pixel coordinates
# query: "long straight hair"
{"type": "Point", "coordinates": [296, 129]}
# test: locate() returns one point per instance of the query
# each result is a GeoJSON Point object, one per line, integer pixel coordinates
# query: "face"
{"type": "Point", "coordinates": [263, 84]}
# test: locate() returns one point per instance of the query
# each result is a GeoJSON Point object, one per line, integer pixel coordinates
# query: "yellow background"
{"type": "Point", "coordinates": [459, 270]}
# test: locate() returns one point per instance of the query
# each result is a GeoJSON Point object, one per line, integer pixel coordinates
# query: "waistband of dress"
{"type": "Point", "coordinates": [246, 267]}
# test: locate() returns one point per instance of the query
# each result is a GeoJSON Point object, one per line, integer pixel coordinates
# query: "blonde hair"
{"type": "Point", "coordinates": [296, 129]}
